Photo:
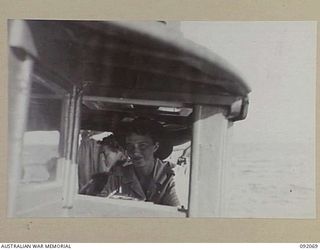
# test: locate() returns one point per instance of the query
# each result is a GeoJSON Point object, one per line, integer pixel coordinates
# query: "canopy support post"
{"type": "Point", "coordinates": [70, 171]}
{"type": "Point", "coordinates": [68, 148]}
{"type": "Point", "coordinates": [209, 160]}
{"type": "Point", "coordinates": [20, 69]}
{"type": "Point", "coordinates": [73, 185]}
{"type": "Point", "coordinates": [63, 137]}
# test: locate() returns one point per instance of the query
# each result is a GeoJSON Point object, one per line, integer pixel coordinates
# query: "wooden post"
{"type": "Point", "coordinates": [63, 137]}
{"type": "Point", "coordinates": [208, 162]}
{"type": "Point", "coordinates": [66, 126]}
{"type": "Point", "coordinates": [76, 131]}
{"type": "Point", "coordinates": [71, 123]}
{"type": "Point", "coordinates": [226, 169]}
{"type": "Point", "coordinates": [68, 150]}
{"type": "Point", "coordinates": [70, 172]}
{"type": "Point", "coordinates": [20, 69]}
{"type": "Point", "coordinates": [73, 180]}
{"type": "Point", "coordinates": [62, 127]}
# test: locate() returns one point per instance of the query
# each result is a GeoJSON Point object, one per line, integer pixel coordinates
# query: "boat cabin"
{"type": "Point", "coordinates": [82, 78]}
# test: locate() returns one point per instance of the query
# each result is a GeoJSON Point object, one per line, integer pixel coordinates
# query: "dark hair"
{"type": "Point", "coordinates": [111, 142]}
{"type": "Point", "coordinates": [146, 127]}
{"type": "Point", "coordinates": [140, 126]}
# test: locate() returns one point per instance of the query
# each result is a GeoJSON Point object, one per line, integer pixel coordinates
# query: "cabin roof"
{"type": "Point", "coordinates": [129, 55]}
{"type": "Point", "coordinates": [127, 60]}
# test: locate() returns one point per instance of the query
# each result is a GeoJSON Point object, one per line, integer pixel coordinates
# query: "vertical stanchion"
{"type": "Point", "coordinates": [208, 152]}
{"type": "Point", "coordinates": [226, 170]}
{"type": "Point", "coordinates": [20, 70]}
{"type": "Point", "coordinates": [63, 137]}
{"type": "Point", "coordinates": [75, 143]}
{"type": "Point", "coordinates": [68, 149]}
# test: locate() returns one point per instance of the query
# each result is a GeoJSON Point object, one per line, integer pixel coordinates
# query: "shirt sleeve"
{"type": "Point", "coordinates": [170, 197]}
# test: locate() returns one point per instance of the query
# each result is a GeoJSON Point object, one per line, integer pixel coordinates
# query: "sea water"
{"type": "Point", "coordinates": [271, 180]}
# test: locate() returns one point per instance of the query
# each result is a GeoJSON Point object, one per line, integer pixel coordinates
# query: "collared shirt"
{"type": "Point", "coordinates": [160, 189]}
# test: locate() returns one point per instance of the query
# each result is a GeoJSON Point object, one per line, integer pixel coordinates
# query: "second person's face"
{"type": "Point", "coordinates": [108, 158]}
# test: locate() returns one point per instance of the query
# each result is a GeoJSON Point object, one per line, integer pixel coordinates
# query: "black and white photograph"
{"type": "Point", "coordinates": [161, 119]}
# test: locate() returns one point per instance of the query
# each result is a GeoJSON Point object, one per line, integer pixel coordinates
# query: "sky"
{"type": "Point", "coordinates": [278, 61]}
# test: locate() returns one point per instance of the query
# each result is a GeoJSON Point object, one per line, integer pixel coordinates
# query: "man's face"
{"type": "Point", "coordinates": [141, 149]}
